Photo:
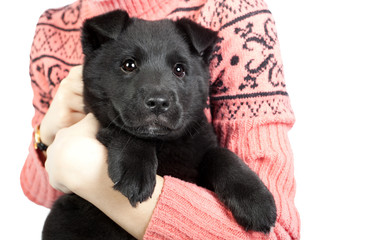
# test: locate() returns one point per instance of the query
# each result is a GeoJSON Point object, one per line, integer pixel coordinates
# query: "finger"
{"type": "Point", "coordinates": [61, 188]}
{"type": "Point", "coordinates": [78, 85]}
{"type": "Point", "coordinates": [75, 77]}
{"type": "Point", "coordinates": [76, 71]}
{"type": "Point", "coordinates": [76, 103]}
{"type": "Point", "coordinates": [89, 124]}
{"type": "Point", "coordinates": [47, 163]}
{"type": "Point", "coordinates": [78, 116]}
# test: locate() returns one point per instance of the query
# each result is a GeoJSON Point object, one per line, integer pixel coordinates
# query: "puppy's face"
{"type": "Point", "coordinates": [148, 78]}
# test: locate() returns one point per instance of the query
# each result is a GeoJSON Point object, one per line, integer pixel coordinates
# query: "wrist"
{"type": "Point", "coordinates": [134, 220]}
{"type": "Point", "coordinates": [101, 191]}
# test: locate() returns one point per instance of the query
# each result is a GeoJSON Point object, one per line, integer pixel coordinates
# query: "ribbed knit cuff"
{"type": "Point", "coordinates": [34, 180]}
{"type": "Point", "coordinates": [266, 150]}
{"type": "Point", "coordinates": [185, 211]}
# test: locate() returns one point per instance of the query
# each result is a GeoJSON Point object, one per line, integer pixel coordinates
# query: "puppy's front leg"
{"type": "Point", "coordinates": [132, 164]}
{"type": "Point", "coordinates": [239, 188]}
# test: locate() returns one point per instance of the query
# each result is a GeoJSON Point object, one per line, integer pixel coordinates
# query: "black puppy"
{"type": "Point", "coordinates": [147, 84]}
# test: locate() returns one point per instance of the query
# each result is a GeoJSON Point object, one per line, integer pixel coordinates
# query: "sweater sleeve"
{"type": "Point", "coordinates": [34, 179]}
{"type": "Point", "coordinates": [186, 211]}
{"type": "Point", "coordinates": [251, 114]}
{"type": "Point", "coordinates": [55, 49]}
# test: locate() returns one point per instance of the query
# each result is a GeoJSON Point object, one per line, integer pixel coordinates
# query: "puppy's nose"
{"type": "Point", "coordinates": [157, 105]}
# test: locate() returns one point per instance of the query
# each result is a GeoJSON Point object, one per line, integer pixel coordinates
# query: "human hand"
{"type": "Point", "coordinates": [76, 160]}
{"type": "Point", "coordinates": [67, 107]}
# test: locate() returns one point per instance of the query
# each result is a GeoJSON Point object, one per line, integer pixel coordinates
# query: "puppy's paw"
{"type": "Point", "coordinates": [136, 184]}
{"type": "Point", "coordinates": [132, 167]}
{"type": "Point", "coordinates": [257, 215]}
{"type": "Point", "coordinates": [253, 208]}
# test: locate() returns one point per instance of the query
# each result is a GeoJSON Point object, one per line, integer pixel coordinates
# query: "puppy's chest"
{"type": "Point", "coordinates": [179, 160]}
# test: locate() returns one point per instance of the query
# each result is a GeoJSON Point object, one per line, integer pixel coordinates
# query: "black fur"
{"type": "Point", "coordinates": [153, 123]}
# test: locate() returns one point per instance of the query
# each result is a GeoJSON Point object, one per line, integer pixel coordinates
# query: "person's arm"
{"type": "Point", "coordinates": [178, 210]}
{"type": "Point", "coordinates": [185, 210]}
{"type": "Point", "coordinates": [117, 207]}
{"type": "Point", "coordinates": [63, 111]}
{"type": "Point", "coordinates": [33, 177]}
{"type": "Point", "coordinates": [49, 64]}
{"type": "Point", "coordinates": [77, 162]}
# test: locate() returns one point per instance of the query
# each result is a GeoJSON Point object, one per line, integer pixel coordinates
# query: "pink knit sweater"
{"type": "Point", "coordinates": [249, 108]}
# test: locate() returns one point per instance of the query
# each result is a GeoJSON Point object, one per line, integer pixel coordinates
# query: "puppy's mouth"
{"type": "Point", "coordinates": [150, 127]}
{"type": "Point", "coordinates": [152, 130]}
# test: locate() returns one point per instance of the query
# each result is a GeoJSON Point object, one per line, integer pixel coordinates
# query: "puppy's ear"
{"type": "Point", "coordinates": [98, 30]}
{"type": "Point", "coordinates": [201, 39]}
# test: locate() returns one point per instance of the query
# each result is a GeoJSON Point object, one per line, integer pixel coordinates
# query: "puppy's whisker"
{"type": "Point", "coordinates": [112, 121]}
{"type": "Point", "coordinates": [124, 147]}
{"type": "Point", "coordinates": [123, 125]}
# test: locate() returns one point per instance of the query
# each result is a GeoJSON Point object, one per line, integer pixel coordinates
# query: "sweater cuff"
{"type": "Point", "coordinates": [187, 211]}
{"type": "Point", "coordinates": [35, 182]}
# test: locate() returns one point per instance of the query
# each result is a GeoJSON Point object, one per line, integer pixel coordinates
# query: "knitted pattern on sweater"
{"type": "Point", "coordinates": [248, 106]}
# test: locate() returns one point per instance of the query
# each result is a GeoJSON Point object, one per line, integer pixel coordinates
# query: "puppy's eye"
{"type": "Point", "coordinates": [129, 65]}
{"type": "Point", "coordinates": [179, 70]}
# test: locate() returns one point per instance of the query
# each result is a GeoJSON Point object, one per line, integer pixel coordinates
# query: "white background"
{"type": "Point", "coordinates": [336, 56]}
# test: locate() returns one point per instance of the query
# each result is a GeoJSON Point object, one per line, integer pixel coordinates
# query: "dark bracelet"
{"type": "Point", "coordinates": [42, 146]}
